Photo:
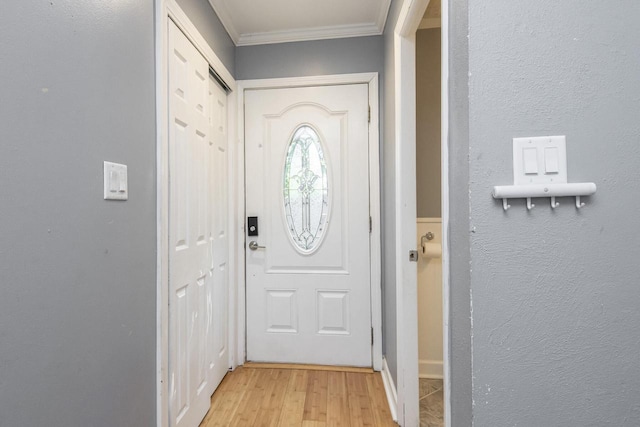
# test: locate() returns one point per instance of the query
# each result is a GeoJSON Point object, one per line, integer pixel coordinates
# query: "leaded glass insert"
{"type": "Point", "coordinates": [306, 189]}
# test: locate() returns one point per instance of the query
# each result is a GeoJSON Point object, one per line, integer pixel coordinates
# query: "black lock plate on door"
{"type": "Point", "coordinates": [252, 225]}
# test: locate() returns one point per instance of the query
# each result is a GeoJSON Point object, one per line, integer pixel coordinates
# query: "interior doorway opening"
{"type": "Point", "coordinates": [406, 30]}
{"type": "Point", "coordinates": [429, 216]}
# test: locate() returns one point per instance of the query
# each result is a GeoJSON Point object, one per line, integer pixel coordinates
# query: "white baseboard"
{"type": "Point", "coordinates": [390, 389]}
{"type": "Point", "coordinates": [430, 369]}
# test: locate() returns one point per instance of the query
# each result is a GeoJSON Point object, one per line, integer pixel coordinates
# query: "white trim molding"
{"type": "Point", "coordinates": [446, 281]}
{"type": "Point", "coordinates": [430, 369]}
{"type": "Point", "coordinates": [307, 34]}
{"type": "Point", "coordinates": [239, 38]}
{"type": "Point", "coordinates": [390, 390]}
{"type": "Point", "coordinates": [371, 79]}
{"type": "Point", "coordinates": [429, 220]}
{"type": "Point", "coordinates": [166, 10]}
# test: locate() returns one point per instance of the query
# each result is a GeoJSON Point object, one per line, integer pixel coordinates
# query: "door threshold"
{"type": "Point", "coordinates": [356, 369]}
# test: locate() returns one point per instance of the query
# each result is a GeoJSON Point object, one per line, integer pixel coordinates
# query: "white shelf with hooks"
{"type": "Point", "coordinates": [540, 170]}
{"type": "Point", "coordinates": [577, 190]}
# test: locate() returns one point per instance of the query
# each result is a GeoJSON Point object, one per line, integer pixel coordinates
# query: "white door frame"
{"type": "Point", "coordinates": [165, 10]}
{"type": "Point", "coordinates": [411, 13]}
{"type": "Point", "coordinates": [374, 199]}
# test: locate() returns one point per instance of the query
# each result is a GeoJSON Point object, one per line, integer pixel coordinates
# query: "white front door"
{"type": "Point", "coordinates": [198, 252]}
{"type": "Point", "coordinates": [307, 182]}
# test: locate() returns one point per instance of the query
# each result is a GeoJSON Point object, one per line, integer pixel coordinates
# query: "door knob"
{"type": "Point", "coordinates": [253, 245]}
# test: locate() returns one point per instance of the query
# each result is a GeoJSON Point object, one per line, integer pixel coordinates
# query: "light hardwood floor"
{"type": "Point", "coordinates": [299, 398]}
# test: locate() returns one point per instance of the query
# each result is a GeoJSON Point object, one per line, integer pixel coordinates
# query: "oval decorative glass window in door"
{"type": "Point", "coordinates": [306, 189]}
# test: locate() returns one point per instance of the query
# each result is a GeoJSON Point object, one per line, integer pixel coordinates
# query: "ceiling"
{"type": "Point", "coordinates": [251, 22]}
{"type": "Point", "coordinates": [432, 16]}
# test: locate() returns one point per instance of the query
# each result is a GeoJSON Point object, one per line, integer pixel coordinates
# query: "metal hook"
{"type": "Point", "coordinates": [529, 204]}
{"type": "Point", "coordinates": [505, 205]}
{"type": "Point", "coordinates": [578, 203]}
{"type": "Point", "coordinates": [553, 203]}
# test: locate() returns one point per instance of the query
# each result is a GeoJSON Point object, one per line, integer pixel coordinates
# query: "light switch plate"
{"type": "Point", "coordinates": [540, 160]}
{"type": "Point", "coordinates": [116, 186]}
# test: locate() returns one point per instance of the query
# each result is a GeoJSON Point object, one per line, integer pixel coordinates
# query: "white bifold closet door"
{"type": "Point", "coordinates": [198, 242]}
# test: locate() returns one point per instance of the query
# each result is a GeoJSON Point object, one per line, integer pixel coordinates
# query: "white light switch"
{"type": "Point", "coordinates": [551, 160]}
{"type": "Point", "coordinates": [530, 161]}
{"type": "Point", "coordinates": [539, 160]}
{"type": "Point", "coordinates": [115, 181]}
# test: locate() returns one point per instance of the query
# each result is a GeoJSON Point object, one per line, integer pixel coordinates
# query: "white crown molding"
{"type": "Point", "coordinates": [302, 34]}
{"type": "Point", "coordinates": [382, 14]}
{"type": "Point", "coordinates": [307, 34]}
{"type": "Point", "coordinates": [225, 17]}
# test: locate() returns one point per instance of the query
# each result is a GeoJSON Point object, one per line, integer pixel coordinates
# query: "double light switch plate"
{"type": "Point", "coordinates": [540, 170]}
{"type": "Point", "coordinates": [540, 160]}
{"type": "Point", "coordinates": [115, 181]}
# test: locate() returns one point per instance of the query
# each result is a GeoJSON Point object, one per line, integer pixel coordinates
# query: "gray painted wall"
{"type": "Point", "coordinates": [78, 310]}
{"type": "Point", "coordinates": [389, 200]}
{"type": "Point", "coordinates": [459, 235]}
{"type": "Point", "coordinates": [208, 24]}
{"type": "Point", "coordinates": [428, 157]}
{"type": "Point", "coordinates": [312, 58]}
{"type": "Point", "coordinates": [555, 292]}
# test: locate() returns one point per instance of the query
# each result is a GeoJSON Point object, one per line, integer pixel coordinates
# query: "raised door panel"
{"type": "Point", "coordinates": [282, 311]}
{"type": "Point", "coordinates": [333, 312]}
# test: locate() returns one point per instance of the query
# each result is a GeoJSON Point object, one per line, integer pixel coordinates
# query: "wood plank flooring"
{"type": "Point", "coordinates": [299, 398]}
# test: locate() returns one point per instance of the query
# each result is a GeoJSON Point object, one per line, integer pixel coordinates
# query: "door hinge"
{"type": "Point", "coordinates": [372, 336]}
{"type": "Point", "coordinates": [370, 224]}
{"type": "Point", "coordinates": [369, 116]}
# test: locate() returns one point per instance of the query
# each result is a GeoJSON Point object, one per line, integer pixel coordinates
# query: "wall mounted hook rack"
{"type": "Point", "coordinates": [540, 170]}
